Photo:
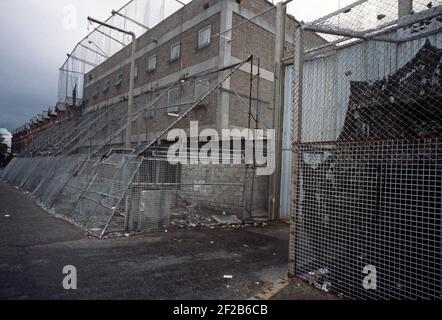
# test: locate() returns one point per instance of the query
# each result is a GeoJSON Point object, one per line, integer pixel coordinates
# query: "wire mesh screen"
{"type": "Point", "coordinates": [102, 43]}
{"type": "Point", "coordinates": [368, 168]}
{"type": "Point", "coordinates": [84, 171]}
{"type": "Point", "coordinates": [162, 195]}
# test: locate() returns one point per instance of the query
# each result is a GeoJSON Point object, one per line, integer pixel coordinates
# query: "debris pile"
{"type": "Point", "coordinates": [185, 215]}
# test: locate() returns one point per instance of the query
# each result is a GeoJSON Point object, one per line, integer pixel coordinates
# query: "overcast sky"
{"type": "Point", "coordinates": [34, 44]}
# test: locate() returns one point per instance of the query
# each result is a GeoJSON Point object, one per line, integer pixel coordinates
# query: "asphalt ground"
{"type": "Point", "coordinates": [203, 264]}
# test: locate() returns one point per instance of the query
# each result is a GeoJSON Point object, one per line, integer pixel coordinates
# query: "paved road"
{"type": "Point", "coordinates": [190, 264]}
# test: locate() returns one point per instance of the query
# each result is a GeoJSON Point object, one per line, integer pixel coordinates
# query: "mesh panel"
{"type": "Point", "coordinates": [368, 169]}
{"type": "Point", "coordinates": [102, 42]}
{"type": "Point", "coordinates": [82, 170]}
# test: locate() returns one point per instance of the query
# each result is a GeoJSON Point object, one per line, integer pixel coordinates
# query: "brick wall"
{"type": "Point", "coordinates": [213, 190]}
{"type": "Point", "coordinates": [190, 55]}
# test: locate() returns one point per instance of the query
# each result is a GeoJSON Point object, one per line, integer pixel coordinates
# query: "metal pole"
{"type": "Point", "coordinates": [204, 97]}
{"type": "Point", "coordinates": [130, 19]}
{"type": "Point", "coordinates": [257, 98]}
{"type": "Point", "coordinates": [250, 96]}
{"type": "Point", "coordinates": [110, 37]}
{"type": "Point", "coordinates": [96, 46]}
{"type": "Point", "coordinates": [71, 71]}
{"type": "Point", "coordinates": [81, 60]}
{"type": "Point", "coordinates": [278, 113]}
{"type": "Point", "coordinates": [130, 103]}
{"type": "Point", "coordinates": [297, 83]}
{"type": "Point", "coordinates": [94, 51]}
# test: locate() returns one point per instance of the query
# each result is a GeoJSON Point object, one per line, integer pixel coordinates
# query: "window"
{"type": "Point", "coordinates": [136, 72]}
{"type": "Point", "coordinates": [96, 92]}
{"type": "Point", "coordinates": [106, 87]}
{"type": "Point", "coordinates": [175, 52]}
{"type": "Point", "coordinates": [202, 87]}
{"type": "Point", "coordinates": [119, 80]}
{"type": "Point", "coordinates": [204, 36]}
{"type": "Point", "coordinates": [149, 113]}
{"type": "Point", "coordinates": [152, 63]}
{"type": "Point", "coordinates": [172, 101]}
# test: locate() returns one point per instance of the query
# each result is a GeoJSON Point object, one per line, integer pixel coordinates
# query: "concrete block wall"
{"type": "Point", "coordinates": [213, 191]}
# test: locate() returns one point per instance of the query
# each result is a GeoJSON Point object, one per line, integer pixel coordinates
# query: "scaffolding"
{"type": "Point", "coordinates": [367, 162]}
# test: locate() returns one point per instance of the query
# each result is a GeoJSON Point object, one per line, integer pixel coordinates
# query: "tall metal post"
{"type": "Point", "coordinates": [278, 115]}
{"type": "Point", "coordinates": [297, 83]}
{"type": "Point", "coordinates": [131, 94]}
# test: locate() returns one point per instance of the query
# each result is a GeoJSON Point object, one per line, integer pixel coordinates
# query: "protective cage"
{"type": "Point", "coordinates": [367, 169]}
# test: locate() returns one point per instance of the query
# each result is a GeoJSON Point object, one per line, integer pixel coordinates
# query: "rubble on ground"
{"type": "Point", "coordinates": [184, 215]}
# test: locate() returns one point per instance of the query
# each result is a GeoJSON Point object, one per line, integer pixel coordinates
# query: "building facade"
{"type": "Point", "coordinates": [193, 43]}
{"type": "Point", "coordinates": [188, 48]}
{"type": "Point", "coordinates": [24, 136]}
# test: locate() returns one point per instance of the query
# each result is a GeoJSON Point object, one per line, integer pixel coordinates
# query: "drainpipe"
{"type": "Point", "coordinates": [275, 180]}
{"type": "Point", "coordinates": [131, 93]}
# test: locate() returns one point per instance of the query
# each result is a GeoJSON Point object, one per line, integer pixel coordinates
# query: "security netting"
{"type": "Point", "coordinates": [82, 171]}
{"type": "Point", "coordinates": [106, 168]}
{"type": "Point", "coordinates": [137, 16]}
{"type": "Point", "coordinates": [367, 154]}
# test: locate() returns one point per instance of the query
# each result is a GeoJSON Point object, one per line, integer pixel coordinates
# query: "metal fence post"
{"type": "Point", "coordinates": [296, 131]}
{"type": "Point", "coordinates": [275, 180]}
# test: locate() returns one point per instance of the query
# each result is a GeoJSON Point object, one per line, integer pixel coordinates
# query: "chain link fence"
{"type": "Point", "coordinates": [367, 163]}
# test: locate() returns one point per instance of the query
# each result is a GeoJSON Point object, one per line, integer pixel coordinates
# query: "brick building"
{"type": "Point", "coordinates": [178, 61]}
{"type": "Point", "coordinates": [187, 44]}
{"type": "Point", "coordinates": [190, 42]}
{"type": "Point", "coordinates": [25, 135]}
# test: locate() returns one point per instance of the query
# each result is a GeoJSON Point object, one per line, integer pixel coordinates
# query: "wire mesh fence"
{"type": "Point", "coordinates": [162, 195]}
{"type": "Point", "coordinates": [82, 170]}
{"type": "Point", "coordinates": [102, 43]}
{"type": "Point", "coordinates": [367, 167]}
